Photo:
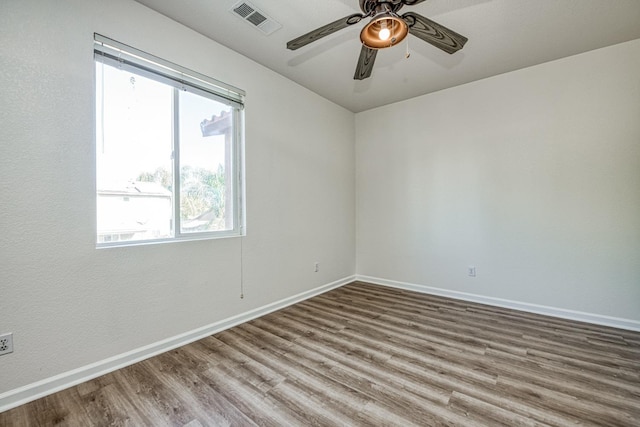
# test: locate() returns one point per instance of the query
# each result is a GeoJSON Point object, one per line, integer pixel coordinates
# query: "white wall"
{"type": "Point", "coordinates": [532, 176]}
{"type": "Point", "coordinates": [68, 304]}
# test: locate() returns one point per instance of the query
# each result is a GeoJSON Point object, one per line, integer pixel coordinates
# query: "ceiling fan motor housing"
{"type": "Point", "coordinates": [371, 7]}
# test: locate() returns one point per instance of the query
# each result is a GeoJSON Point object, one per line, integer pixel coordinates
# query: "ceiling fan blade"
{"type": "Point", "coordinates": [411, 2]}
{"type": "Point", "coordinates": [318, 33]}
{"type": "Point", "coordinates": [365, 63]}
{"type": "Point", "coordinates": [434, 33]}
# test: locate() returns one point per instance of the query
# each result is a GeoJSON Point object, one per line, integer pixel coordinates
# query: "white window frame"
{"type": "Point", "coordinates": [117, 54]}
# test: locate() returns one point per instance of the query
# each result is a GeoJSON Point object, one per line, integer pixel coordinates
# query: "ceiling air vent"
{"type": "Point", "coordinates": [257, 18]}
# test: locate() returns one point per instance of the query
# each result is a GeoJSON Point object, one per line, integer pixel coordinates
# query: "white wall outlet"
{"type": "Point", "coordinates": [316, 267]}
{"type": "Point", "coordinates": [471, 271]}
{"type": "Point", "coordinates": [6, 344]}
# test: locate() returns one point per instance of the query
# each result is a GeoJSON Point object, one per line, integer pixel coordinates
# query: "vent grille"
{"type": "Point", "coordinates": [257, 18]}
{"type": "Point", "coordinates": [244, 10]}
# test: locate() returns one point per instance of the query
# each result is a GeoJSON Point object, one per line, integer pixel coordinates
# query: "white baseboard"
{"type": "Point", "coordinates": [615, 322]}
{"type": "Point", "coordinates": [30, 392]}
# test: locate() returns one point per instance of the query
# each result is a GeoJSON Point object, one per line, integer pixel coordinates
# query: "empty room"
{"type": "Point", "coordinates": [340, 212]}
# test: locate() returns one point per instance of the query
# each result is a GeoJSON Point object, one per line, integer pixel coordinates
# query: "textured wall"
{"type": "Point", "coordinates": [69, 304]}
{"type": "Point", "coordinates": [531, 176]}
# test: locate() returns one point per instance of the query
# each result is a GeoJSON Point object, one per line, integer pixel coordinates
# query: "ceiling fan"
{"type": "Point", "coordinates": [385, 29]}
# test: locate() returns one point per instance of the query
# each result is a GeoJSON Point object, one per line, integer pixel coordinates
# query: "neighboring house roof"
{"type": "Point", "coordinates": [218, 125]}
{"type": "Point", "coordinates": [203, 219]}
{"type": "Point", "coordinates": [134, 188]}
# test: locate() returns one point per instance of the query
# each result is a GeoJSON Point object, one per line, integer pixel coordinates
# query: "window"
{"type": "Point", "coordinates": [168, 150]}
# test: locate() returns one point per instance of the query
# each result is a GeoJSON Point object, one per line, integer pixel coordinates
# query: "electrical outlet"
{"type": "Point", "coordinates": [471, 271]}
{"type": "Point", "coordinates": [6, 344]}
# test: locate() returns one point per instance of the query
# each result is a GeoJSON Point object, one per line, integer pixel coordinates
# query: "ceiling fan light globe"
{"type": "Point", "coordinates": [384, 30]}
{"type": "Point", "coordinates": [384, 34]}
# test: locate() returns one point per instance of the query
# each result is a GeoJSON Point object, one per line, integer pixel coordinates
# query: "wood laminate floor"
{"type": "Point", "coordinates": [370, 356]}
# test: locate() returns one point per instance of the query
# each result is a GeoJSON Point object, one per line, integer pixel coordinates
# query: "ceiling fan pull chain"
{"type": "Point", "coordinates": [407, 55]}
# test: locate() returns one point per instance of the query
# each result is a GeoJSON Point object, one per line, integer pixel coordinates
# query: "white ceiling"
{"type": "Point", "coordinates": [504, 35]}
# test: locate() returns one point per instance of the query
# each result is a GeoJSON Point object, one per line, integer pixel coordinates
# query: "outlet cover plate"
{"type": "Point", "coordinates": [6, 344]}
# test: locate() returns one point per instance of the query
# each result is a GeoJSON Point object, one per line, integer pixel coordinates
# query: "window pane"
{"type": "Point", "coordinates": [133, 156]}
{"type": "Point", "coordinates": [205, 132]}
{"type": "Point", "coordinates": [167, 158]}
